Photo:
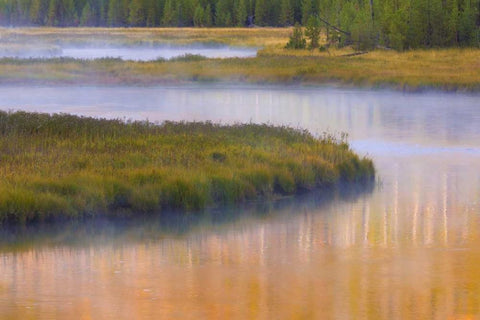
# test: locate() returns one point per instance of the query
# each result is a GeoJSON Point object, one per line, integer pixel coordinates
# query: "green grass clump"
{"type": "Point", "coordinates": [64, 166]}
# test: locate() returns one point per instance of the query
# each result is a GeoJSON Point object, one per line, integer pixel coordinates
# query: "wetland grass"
{"type": "Point", "coordinates": [62, 166]}
{"type": "Point", "coordinates": [444, 69]}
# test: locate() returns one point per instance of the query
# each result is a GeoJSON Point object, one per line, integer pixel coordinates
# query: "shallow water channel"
{"type": "Point", "coordinates": [135, 53]}
{"type": "Point", "coordinates": [409, 248]}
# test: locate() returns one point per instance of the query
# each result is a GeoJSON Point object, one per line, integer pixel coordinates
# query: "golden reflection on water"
{"type": "Point", "coordinates": [406, 251]}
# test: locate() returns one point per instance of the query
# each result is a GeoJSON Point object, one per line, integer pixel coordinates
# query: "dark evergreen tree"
{"type": "Point", "coordinates": [169, 15]}
{"type": "Point", "coordinates": [399, 24]}
{"type": "Point", "coordinates": [240, 13]}
{"type": "Point", "coordinates": [260, 12]}
{"type": "Point", "coordinates": [286, 16]}
{"type": "Point", "coordinates": [312, 32]}
{"type": "Point", "coordinates": [136, 14]}
{"type": "Point", "coordinates": [88, 16]}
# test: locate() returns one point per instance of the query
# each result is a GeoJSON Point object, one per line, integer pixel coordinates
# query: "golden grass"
{"type": "Point", "coordinates": [446, 69]}
{"type": "Point", "coordinates": [252, 37]}
{"type": "Point", "coordinates": [65, 166]}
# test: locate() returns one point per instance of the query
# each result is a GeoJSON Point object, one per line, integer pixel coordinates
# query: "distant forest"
{"type": "Point", "coordinates": [399, 24]}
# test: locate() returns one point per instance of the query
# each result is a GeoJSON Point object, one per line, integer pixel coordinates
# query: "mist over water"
{"type": "Point", "coordinates": [427, 120]}
{"type": "Point", "coordinates": [128, 53]}
{"type": "Point", "coordinates": [407, 249]}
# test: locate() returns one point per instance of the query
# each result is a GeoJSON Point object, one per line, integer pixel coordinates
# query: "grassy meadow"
{"type": "Point", "coordinates": [445, 69]}
{"type": "Point", "coordinates": [239, 37]}
{"type": "Point", "coordinates": [63, 166]}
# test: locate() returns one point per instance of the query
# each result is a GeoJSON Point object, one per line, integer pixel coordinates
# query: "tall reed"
{"type": "Point", "coordinates": [64, 166]}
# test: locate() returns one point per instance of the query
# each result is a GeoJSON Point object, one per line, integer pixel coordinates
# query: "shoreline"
{"type": "Point", "coordinates": [74, 167]}
{"type": "Point", "coordinates": [168, 83]}
{"type": "Point", "coordinates": [192, 84]}
{"type": "Point", "coordinates": [113, 72]}
{"type": "Point", "coordinates": [441, 69]}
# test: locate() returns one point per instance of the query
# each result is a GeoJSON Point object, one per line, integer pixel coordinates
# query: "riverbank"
{"type": "Point", "coordinates": [453, 69]}
{"type": "Point", "coordinates": [447, 70]}
{"type": "Point", "coordinates": [64, 166]}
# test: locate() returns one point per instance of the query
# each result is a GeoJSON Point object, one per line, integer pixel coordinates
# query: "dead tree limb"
{"type": "Point", "coordinates": [334, 27]}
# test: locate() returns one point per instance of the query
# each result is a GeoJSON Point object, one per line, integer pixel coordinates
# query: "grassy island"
{"type": "Point", "coordinates": [64, 166]}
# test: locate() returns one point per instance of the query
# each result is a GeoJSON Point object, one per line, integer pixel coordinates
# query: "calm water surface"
{"type": "Point", "coordinates": [408, 248]}
{"type": "Point", "coordinates": [132, 53]}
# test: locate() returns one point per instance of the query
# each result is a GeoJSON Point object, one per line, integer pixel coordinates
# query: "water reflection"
{"type": "Point", "coordinates": [163, 225]}
{"type": "Point", "coordinates": [429, 119]}
{"type": "Point", "coordinates": [129, 53]}
{"type": "Point", "coordinates": [403, 251]}
{"type": "Point", "coordinates": [408, 249]}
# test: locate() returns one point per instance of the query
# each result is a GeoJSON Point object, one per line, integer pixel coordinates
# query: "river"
{"type": "Point", "coordinates": [407, 248]}
{"type": "Point", "coordinates": [134, 53]}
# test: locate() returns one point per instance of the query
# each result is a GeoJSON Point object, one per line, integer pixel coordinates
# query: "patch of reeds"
{"type": "Point", "coordinates": [444, 69]}
{"type": "Point", "coordinates": [64, 166]}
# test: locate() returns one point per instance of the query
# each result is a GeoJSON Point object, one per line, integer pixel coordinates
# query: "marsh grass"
{"type": "Point", "coordinates": [445, 69]}
{"type": "Point", "coordinates": [63, 166]}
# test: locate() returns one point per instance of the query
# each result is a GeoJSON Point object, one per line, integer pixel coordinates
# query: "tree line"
{"type": "Point", "coordinates": [399, 24]}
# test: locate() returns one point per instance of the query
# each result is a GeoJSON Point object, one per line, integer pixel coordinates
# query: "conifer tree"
{"type": "Point", "coordinates": [199, 16]}
{"type": "Point", "coordinates": [306, 11]}
{"type": "Point", "coordinates": [38, 9]}
{"type": "Point", "coordinates": [286, 13]}
{"type": "Point", "coordinates": [312, 32]}
{"type": "Point", "coordinates": [208, 16]}
{"type": "Point", "coordinates": [260, 12]}
{"type": "Point", "coordinates": [169, 14]}
{"type": "Point", "coordinates": [87, 18]}
{"type": "Point", "coordinates": [223, 13]}
{"type": "Point", "coordinates": [136, 17]}
{"type": "Point", "coordinates": [52, 17]}
{"type": "Point", "coordinates": [240, 13]}
{"type": "Point", "coordinates": [151, 13]}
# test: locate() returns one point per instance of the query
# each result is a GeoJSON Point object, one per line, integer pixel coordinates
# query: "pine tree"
{"type": "Point", "coordinates": [151, 13]}
{"type": "Point", "coordinates": [312, 32]}
{"type": "Point", "coordinates": [362, 31]}
{"type": "Point", "coordinates": [297, 41]}
{"type": "Point", "coordinates": [38, 9]}
{"type": "Point", "coordinates": [260, 12]}
{"type": "Point", "coordinates": [69, 15]}
{"type": "Point", "coordinates": [52, 17]}
{"type": "Point", "coordinates": [240, 13]}
{"type": "Point", "coordinates": [467, 29]}
{"type": "Point", "coordinates": [117, 13]}
{"type": "Point", "coordinates": [189, 7]}
{"type": "Point", "coordinates": [306, 10]}
{"type": "Point", "coordinates": [208, 16]}
{"type": "Point", "coordinates": [452, 28]}
{"type": "Point", "coordinates": [136, 15]}
{"type": "Point", "coordinates": [112, 14]}
{"type": "Point", "coordinates": [199, 16]}
{"type": "Point", "coordinates": [223, 13]}
{"type": "Point", "coordinates": [169, 14]}
{"type": "Point", "coordinates": [286, 13]}
{"type": "Point", "coordinates": [87, 18]}
{"type": "Point", "coordinates": [179, 14]}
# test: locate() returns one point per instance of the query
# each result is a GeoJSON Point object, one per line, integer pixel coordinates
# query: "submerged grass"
{"type": "Point", "coordinates": [63, 166]}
